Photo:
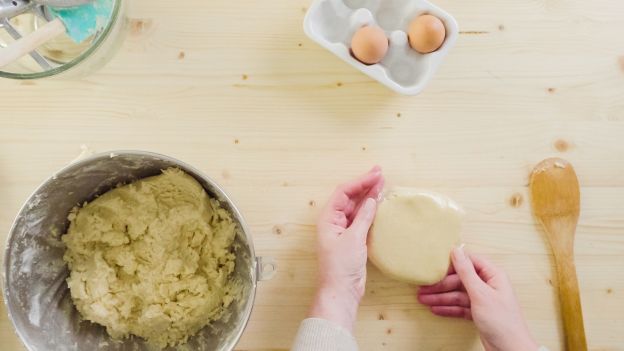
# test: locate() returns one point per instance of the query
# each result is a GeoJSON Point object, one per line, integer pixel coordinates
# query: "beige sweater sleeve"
{"type": "Point", "coordinates": [317, 334]}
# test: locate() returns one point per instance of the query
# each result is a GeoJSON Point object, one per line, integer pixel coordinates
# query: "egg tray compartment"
{"type": "Point", "coordinates": [332, 23]}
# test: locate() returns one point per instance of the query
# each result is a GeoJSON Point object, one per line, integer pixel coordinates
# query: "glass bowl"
{"type": "Point", "coordinates": [66, 58]}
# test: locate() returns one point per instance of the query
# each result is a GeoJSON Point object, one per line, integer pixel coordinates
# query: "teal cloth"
{"type": "Point", "coordinates": [83, 21]}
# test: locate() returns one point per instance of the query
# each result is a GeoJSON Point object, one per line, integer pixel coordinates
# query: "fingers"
{"type": "Point", "coordinates": [361, 185]}
{"type": "Point", "coordinates": [452, 311]}
{"type": "Point", "coordinates": [333, 219]}
{"type": "Point", "coordinates": [486, 269]}
{"type": "Point", "coordinates": [331, 222]}
{"type": "Point", "coordinates": [371, 182]}
{"type": "Point", "coordinates": [346, 201]}
{"type": "Point", "coordinates": [452, 298]}
{"type": "Point", "coordinates": [373, 193]}
{"type": "Point", "coordinates": [466, 271]}
{"type": "Point", "coordinates": [376, 189]}
{"type": "Point", "coordinates": [450, 283]}
{"type": "Point", "coordinates": [364, 219]}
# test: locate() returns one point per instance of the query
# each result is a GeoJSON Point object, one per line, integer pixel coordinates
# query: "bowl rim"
{"type": "Point", "coordinates": [81, 161]}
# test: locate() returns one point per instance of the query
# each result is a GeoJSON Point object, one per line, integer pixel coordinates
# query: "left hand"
{"type": "Point", "coordinates": [342, 231]}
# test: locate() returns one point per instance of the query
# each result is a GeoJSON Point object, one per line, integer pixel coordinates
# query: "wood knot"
{"type": "Point", "coordinates": [244, 77]}
{"type": "Point", "coordinates": [312, 203]}
{"type": "Point", "coordinates": [278, 230]}
{"type": "Point", "coordinates": [561, 145]}
{"type": "Point", "coordinates": [551, 90]}
{"type": "Point", "coordinates": [388, 331]}
{"type": "Point", "coordinates": [516, 200]}
{"type": "Point", "coordinates": [138, 26]}
{"type": "Point", "coordinates": [181, 55]}
{"type": "Point", "coordinates": [381, 317]}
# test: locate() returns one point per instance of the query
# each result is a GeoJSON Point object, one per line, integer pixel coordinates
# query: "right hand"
{"type": "Point", "coordinates": [477, 290]}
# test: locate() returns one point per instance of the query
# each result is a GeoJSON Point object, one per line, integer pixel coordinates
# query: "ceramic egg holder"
{"type": "Point", "coordinates": [332, 23]}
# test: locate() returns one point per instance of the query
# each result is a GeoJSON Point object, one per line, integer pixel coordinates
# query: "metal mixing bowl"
{"type": "Point", "coordinates": [34, 274]}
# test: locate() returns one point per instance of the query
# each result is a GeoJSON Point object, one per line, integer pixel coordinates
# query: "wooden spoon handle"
{"type": "Point", "coordinates": [570, 301]}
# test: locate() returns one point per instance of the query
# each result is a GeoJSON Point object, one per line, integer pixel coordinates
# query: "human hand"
{"type": "Point", "coordinates": [477, 290]}
{"type": "Point", "coordinates": [342, 231]}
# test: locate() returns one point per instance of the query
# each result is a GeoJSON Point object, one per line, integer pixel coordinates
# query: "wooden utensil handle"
{"type": "Point", "coordinates": [570, 301]}
{"type": "Point", "coordinates": [30, 42]}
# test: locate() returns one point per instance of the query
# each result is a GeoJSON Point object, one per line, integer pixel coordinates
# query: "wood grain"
{"type": "Point", "coordinates": [236, 89]}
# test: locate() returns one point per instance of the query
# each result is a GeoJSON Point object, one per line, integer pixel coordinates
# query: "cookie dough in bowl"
{"type": "Point", "coordinates": [153, 258]}
{"type": "Point", "coordinates": [413, 234]}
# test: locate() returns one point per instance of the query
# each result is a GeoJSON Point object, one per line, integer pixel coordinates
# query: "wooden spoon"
{"type": "Point", "coordinates": [555, 198]}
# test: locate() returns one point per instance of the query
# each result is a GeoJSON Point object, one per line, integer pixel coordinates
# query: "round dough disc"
{"type": "Point", "coordinates": [413, 235]}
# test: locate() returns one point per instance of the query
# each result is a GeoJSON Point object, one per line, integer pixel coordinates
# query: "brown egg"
{"type": "Point", "coordinates": [426, 34]}
{"type": "Point", "coordinates": [369, 45]}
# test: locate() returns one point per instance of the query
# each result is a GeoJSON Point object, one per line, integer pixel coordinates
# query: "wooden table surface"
{"type": "Point", "coordinates": [237, 90]}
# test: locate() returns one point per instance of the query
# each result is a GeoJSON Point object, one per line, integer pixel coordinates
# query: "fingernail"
{"type": "Point", "coordinates": [459, 251]}
{"type": "Point", "coordinates": [370, 204]}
